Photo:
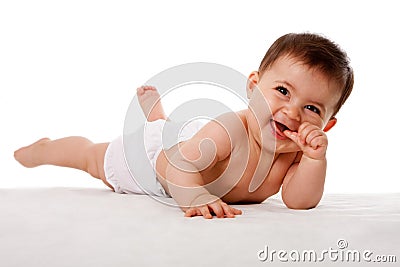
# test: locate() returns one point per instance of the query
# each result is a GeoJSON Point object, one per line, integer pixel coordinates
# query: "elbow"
{"type": "Point", "coordinates": [300, 204]}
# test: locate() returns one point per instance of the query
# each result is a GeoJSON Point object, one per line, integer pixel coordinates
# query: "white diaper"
{"type": "Point", "coordinates": [129, 162]}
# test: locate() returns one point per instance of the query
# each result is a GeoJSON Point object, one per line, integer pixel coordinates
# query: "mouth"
{"type": "Point", "coordinates": [278, 129]}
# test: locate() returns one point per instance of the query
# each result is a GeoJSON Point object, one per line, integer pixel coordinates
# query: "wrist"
{"type": "Point", "coordinates": [203, 199]}
{"type": "Point", "coordinates": [322, 158]}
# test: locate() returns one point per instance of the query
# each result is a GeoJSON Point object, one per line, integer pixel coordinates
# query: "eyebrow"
{"type": "Point", "coordinates": [291, 86]}
{"type": "Point", "coordinates": [286, 83]}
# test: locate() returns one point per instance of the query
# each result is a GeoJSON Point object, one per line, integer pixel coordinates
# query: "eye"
{"type": "Point", "coordinates": [313, 109]}
{"type": "Point", "coordinates": [282, 90]}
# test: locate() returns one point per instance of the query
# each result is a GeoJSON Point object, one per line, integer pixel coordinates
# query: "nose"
{"type": "Point", "coordinates": [292, 112]}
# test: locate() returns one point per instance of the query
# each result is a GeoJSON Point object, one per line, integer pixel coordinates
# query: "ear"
{"type": "Point", "coordinates": [332, 122]}
{"type": "Point", "coordinates": [252, 82]}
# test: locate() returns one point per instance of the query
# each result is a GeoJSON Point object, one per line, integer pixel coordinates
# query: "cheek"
{"type": "Point", "coordinates": [260, 107]}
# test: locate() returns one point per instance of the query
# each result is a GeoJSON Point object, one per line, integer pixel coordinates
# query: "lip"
{"type": "Point", "coordinates": [276, 132]}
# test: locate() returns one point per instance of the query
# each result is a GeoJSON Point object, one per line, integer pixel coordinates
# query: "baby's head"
{"type": "Point", "coordinates": [318, 53]}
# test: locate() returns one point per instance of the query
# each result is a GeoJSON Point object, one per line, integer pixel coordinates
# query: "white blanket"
{"type": "Point", "coordinates": [93, 227]}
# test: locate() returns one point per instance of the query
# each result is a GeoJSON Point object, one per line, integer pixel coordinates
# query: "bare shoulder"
{"type": "Point", "coordinates": [222, 133]}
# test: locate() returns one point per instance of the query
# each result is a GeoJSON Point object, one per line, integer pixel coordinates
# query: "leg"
{"type": "Point", "coordinates": [73, 152]}
{"type": "Point", "coordinates": [149, 100]}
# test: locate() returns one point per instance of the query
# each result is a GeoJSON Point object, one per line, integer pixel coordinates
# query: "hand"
{"type": "Point", "coordinates": [310, 139]}
{"type": "Point", "coordinates": [218, 207]}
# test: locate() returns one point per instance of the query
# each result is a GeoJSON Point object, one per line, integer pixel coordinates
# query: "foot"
{"type": "Point", "coordinates": [149, 100]}
{"type": "Point", "coordinates": [26, 155]}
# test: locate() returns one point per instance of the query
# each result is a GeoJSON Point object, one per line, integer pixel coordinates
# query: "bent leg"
{"type": "Point", "coordinates": [150, 101]}
{"type": "Point", "coordinates": [73, 152]}
{"type": "Point", "coordinates": [95, 161]}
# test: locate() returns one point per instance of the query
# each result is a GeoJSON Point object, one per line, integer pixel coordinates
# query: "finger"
{"type": "Point", "coordinates": [305, 131]}
{"type": "Point", "coordinates": [205, 212]}
{"type": "Point", "coordinates": [318, 142]}
{"type": "Point", "coordinates": [237, 211]}
{"type": "Point", "coordinates": [291, 135]}
{"type": "Point", "coordinates": [227, 210]}
{"type": "Point", "coordinates": [232, 211]}
{"type": "Point", "coordinates": [312, 135]}
{"type": "Point", "coordinates": [217, 209]}
{"type": "Point", "coordinates": [191, 212]}
{"type": "Point", "coordinates": [301, 132]}
{"type": "Point", "coordinates": [294, 136]}
{"type": "Point", "coordinates": [303, 126]}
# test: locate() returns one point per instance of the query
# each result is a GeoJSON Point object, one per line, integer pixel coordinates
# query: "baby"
{"type": "Point", "coordinates": [240, 157]}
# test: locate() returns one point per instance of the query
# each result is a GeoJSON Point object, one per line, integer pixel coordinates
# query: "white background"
{"type": "Point", "coordinates": [72, 68]}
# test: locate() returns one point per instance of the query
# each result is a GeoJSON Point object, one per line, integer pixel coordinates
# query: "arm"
{"type": "Point", "coordinates": [185, 182]}
{"type": "Point", "coordinates": [303, 184]}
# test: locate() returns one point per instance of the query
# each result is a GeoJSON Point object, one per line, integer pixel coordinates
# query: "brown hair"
{"type": "Point", "coordinates": [316, 52]}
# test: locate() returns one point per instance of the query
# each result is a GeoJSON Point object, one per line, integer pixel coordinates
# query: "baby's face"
{"type": "Point", "coordinates": [295, 94]}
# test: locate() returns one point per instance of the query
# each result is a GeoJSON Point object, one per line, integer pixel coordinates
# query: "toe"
{"type": "Point", "coordinates": [140, 90]}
